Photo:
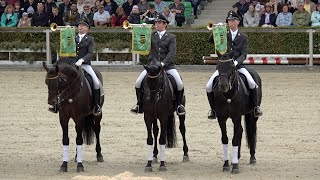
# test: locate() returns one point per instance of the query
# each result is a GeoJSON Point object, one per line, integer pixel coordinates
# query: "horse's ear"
{"type": "Point", "coordinates": [44, 64]}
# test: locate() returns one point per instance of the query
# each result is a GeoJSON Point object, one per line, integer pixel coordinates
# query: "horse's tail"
{"type": "Point", "coordinates": [171, 132]}
{"type": "Point", "coordinates": [88, 129]}
{"type": "Point", "coordinates": [251, 130]}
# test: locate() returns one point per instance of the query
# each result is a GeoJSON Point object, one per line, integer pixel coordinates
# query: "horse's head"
{"type": "Point", "coordinates": [153, 68]}
{"type": "Point", "coordinates": [57, 78]}
{"type": "Point", "coordinates": [227, 73]}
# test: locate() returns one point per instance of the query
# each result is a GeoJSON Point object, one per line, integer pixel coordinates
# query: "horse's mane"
{"type": "Point", "coordinates": [66, 66]}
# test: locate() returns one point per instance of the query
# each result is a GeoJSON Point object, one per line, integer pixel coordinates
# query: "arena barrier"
{"type": "Point", "coordinates": [272, 59]}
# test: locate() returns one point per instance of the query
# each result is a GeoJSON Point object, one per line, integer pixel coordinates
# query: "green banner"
{"type": "Point", "coordinates": [141, 40]}
{"type": "Point", "coordinates": [220, 39]}
{"type": "Point", "coordinates": [67, 43]}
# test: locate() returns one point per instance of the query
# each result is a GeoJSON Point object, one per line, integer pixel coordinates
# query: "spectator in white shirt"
{"type": "Point", "coordinates": [101, 17]}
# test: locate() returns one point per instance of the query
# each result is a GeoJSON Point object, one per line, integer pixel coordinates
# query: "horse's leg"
{"type": "Point", "coordinates": [64, 121]}
{"type": "Point", "coordinates": [182, 128]}
{"type": "Point", "coordinates": [155, 135]}
{"type": "Point", "coordinates": [79, 142]}
{"type": "Point", "coordinates": [162, 141]}
{"type": "Point", "coordinates": [251, 131]}
{"type": "Point", "coordinates": [97, 128]}
{"type": "Point", "coordinates": [236, 141]}
{"type": "Point", "coordinates": [148, 121]}
{"type": "Point", "coordinates": [224, 139]}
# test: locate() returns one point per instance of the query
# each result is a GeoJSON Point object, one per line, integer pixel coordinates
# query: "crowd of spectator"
{"type": "Point", "coordinates": [100, 13]}
{"type": "Point", "coordinates": [278, 13]}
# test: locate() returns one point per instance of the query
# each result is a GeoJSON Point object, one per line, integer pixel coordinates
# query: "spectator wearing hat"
{"type": "Point", "coordinates": [150, 15]}
{"type": "Point", "coordinates": [178, 10]}
{"type": "Point", "coordinates": [284, 18]}
{"type": "Point", "coordinates": [144, 6]}
{"type": "Point", "coordinates": [72, 16]}
{"type": "Point", "coordinates": [18, 10]}
{"type": "Point", "coordinates": [9, 18]}
{"type": "Point", "coordinates": [301, 17]}
{"type": "Point", "coordinates": [85, 50]}
{"type": "Point", "coordinates": [24, 21]}
{"type": "Point", "coordinates": [309, 6]}
{"type": "Point", "coordinates": [251, 18]}
{"type": "Point", "coordinates": [110, 6]}
{"type": "Point", "coordinates": [134, 16]}
{"type": "Point", "coordinates": [55, 17]}
{"type": "Point", "coordinates": [87, 13]}
{"type": "Point", "coordinates": [119, 17]}
{"type": "Point", "coordinates": [30, 7]}
{"type": "Point", "coordinates": [40, 17]}
{"type": "Point", "coordinates": [268, 18]}
{"type": "Point", "coordinates": [127, 6]}
{"type": "Point", "coordinates": [101, 17]}
{"type": "Point", "coordinates": [163, 49]}
{"type": "Point", "coordinates": [169, 16]}
{"type": "Point", "coordinates": [315, 17]}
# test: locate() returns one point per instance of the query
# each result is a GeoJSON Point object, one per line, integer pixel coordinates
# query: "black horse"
{"type": "Point", "coordinates": [232, 101]}
{"type": "Point", "coordinates": [69, 91]}
{"type": "Point", "coordinates": [159, 104]}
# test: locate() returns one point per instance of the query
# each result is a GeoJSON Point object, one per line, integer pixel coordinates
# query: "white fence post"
{"type": "Point", "coordinates": [48, 52]}
{"type": "Point", "coordinates": [311, 46]}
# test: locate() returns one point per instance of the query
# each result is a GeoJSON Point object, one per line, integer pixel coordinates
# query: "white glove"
{"type": "Point", "coordinates": [235, 63]}
{"type": "Point", "coordinates": [79, 62]}
{"type": "Point", "coordinates": [162, 64]}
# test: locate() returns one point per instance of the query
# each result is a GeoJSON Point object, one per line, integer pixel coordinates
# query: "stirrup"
{"type": "Point", "coordinates": [212, 114]}
{"type": "Point", "coordinates": [182, 112]}
{"type": "Point", "coordinates": [257, 111]}
{"type": "Point", "coordinates": [135, 109]}
{"type": "Point", "coordinates": [97, 110]}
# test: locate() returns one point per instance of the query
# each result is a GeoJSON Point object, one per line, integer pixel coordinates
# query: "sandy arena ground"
{"type": "Point", "coordinates": [288, 144]}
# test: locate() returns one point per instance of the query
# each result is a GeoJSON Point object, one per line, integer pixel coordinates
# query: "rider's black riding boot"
{"type": "Point", "coordinates": [97, 108]}
{"type": "Point", "coordinates": [138, 108]}
{"type": "Point", "coordinates": [254, 99]}
{"type": "Point", "coordinates": [180, 110]}
{"type": "Point", "coordinates": [212, 113]}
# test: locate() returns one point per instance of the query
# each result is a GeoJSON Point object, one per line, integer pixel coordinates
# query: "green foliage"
{"type": "Point", "coordinates": [191, 45]}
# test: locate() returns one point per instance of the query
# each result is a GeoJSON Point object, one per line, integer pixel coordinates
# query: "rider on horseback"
{"type": "Point", "coordinates": [85, 46]}
{"type": "Point", "coordinates": [163, 48]}
{"type": "Point", "coordinates": [237, 50]}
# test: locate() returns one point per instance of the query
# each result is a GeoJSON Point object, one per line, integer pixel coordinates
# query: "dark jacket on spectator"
{"type": "Point", "coordinates": [273, 19]}
{"type": "Point", "coordinates": [48, 7]}
{"type": "Point", "coordinates": [40, 19]}
{"type": "Point", "coordinates": [89, 16]}
{"type": "Point", "coordinates": [61, 8]}
{"type": "Point", "coordinates": [127, 7]}
{"type": "Point", "coordinates": [242, 8]}
{"type": "Point", "coordinates": [134, 18]}
{"type": "Point", "coordinates": [118, 20]}
{"type": "Point", "coordinates": [26, 6]}
{"type": "Point", "coordinates": [2, 10]}
{"type": "Point", "coordinates": [114, 7]}
{"type": "Point", "coordinates": [56, 19]}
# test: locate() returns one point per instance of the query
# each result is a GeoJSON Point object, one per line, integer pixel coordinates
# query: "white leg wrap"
{"type": "Point", "coordinates": [79, 153]}
{"type": "Point", "coordinates": [225, 152]}
{"type": "Point", "coordinates": [235, 155]}
{"type": "Point", "coordinates": [65, 153]}
{"type": "Point", "coordinates": [162, 155]}
{"type": "Point", "coordinates": [150, 153]}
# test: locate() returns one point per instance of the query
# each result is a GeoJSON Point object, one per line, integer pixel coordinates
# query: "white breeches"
{"type": "Point", "coordinates": [173, 72]}
{"type": "Point", "coordinates": [89, 70]}
{"type": "Point", "coordinates": [244, 71]}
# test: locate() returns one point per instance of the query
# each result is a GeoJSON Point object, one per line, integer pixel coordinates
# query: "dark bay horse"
{"type": "Point", "coordinates": [233, 101]}
{"type": "Point", "coordinates": [69, 91]}
{"type": "Point", "coordinates": [158, 104]}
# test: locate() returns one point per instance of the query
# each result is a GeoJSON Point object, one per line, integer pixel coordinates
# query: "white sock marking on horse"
{"type": "Point", "coordinates": [235, 155]}
{"type": "Point", "coordinates": [150, 153]}
{"type": "Point", "coordinates": [79, 153]}
{"type": "Point", "coordinates": [162, 155]}
{"type": "Point", "coordinates": [225, 152]}
{"type": "Point", "coordinates": [66, 153]}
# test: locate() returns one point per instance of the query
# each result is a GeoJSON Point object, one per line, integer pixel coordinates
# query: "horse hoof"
{"type": "Point", "coordinates": [253, 160]}
{"type": "Point", "coordinates": [148, 169]}
{"type": "Point", "coordinates": [235, 169]}
{"type": "Point", "coordinates": [155, 160]}
{"type": "Point", "coordinates": [186, 159]}
{"type": "Point", "coordinates": [226, 167]}
{"type": "Point", "coordinates": [100, 159]}
{"type": "Point", "coordinates": [64, 167]}
{"type": "Point", "coordinates": [80, 167]}
{"type": "Point", "coordinates": [162, 168]}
